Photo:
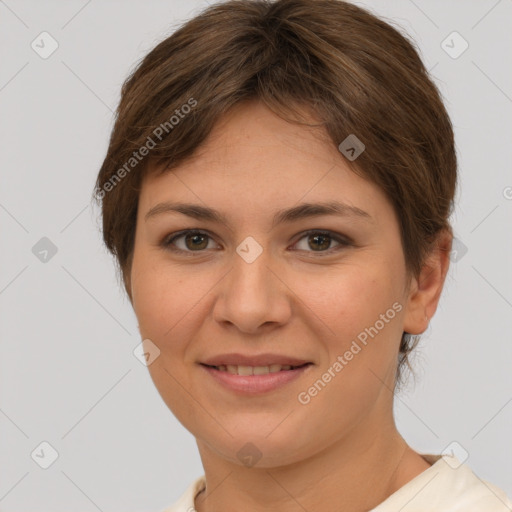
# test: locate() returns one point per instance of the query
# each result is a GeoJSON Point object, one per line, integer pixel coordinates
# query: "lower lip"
{"type": "Point", "coordinates": [255, 383]}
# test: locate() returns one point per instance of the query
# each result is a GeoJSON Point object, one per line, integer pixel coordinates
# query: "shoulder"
{"type": "Point", "coordinates": [186, 500]}
{"type": "Point", "coordinates": [447, 486]}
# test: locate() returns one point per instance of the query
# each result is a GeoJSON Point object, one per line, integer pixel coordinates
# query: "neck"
{"type": "Point", "coordinates": [353, 474]}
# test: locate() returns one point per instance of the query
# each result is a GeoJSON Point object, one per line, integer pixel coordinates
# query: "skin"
{"type": "Point", "coordinates": [340, 451]}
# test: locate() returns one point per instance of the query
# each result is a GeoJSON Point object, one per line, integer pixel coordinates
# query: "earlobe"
{"type": "Point", "coordinates": [425, 290]}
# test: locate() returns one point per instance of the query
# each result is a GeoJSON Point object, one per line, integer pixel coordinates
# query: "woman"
{"type": "Point", "coordinates": [277, 193]}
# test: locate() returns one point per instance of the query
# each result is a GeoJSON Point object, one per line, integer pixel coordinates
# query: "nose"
{"type": "Point", "coordinates": [253, 296]}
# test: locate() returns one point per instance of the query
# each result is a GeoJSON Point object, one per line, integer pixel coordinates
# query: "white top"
{"type": "Point", "coordinates": [447, 486]}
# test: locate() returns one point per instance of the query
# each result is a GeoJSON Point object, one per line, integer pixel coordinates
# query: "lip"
{"type": "Point", "coordinates": [255, 384]}
{"type": "Point", "coordinates": [236, 359]}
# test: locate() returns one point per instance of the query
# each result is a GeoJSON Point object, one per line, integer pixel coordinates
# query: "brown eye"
{"type": "Point", "coordinates": [188, 241]}
{"type": "Point", "coordinates": [320, 242]}
{"type": "Point", "coordinates": [196, 241]}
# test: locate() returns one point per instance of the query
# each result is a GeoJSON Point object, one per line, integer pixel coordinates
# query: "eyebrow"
{"type": "Point", "coordinates": [302, 211]}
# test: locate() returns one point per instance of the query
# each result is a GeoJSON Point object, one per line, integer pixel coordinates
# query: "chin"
{"type": "Point", "coordinates": [257, 444]}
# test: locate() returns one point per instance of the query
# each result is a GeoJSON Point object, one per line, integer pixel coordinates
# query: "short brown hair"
{"type": "Point", "coordinates": [354, 72]}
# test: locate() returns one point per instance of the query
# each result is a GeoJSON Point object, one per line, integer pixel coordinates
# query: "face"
{"type": "Point", "coordinates": [328, 289]}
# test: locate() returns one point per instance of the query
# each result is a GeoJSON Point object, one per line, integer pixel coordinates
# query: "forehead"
{"type": "Point", "coordinates": [249, 134]}
{"type": "Point", "coordinates": [255, 161]}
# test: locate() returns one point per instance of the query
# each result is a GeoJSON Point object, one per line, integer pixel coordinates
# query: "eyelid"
{"type": "Point", "coordinates": [342, 240]}
{"type": "Point", "coordinates": [333, 234]}
{"type": "Point", "coordinates": [167, 241]}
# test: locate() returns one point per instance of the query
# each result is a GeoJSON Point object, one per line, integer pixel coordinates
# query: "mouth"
{"type": "Point", "coordinates": [254, 380]}
{"type": "Point", "coordinates": [255, 370]}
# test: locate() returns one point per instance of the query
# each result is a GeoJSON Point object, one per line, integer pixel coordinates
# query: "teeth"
{"type": "Point", "coordinates": [252, 370]}
{"type": "Point", "coordinates": [245, 370]}
{"type": "Point", "coordinates": [232, 369]}
{"type": "Point", "coordinates": [260, 370]}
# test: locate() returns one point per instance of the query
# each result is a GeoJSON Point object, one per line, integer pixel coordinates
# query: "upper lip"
{"type": "Point", "coordinates": [256, 360]}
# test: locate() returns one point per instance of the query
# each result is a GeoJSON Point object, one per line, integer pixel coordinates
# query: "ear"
{"type": "Point", "coordinates": [425, 290]}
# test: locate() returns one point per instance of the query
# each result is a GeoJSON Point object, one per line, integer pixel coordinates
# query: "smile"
{"type": "Point", "coordinates": [255, 370]}
{"type": "Point", "coordinates": [254, 379]}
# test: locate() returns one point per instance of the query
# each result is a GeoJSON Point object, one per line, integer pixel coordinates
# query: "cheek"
{"type": "Point", "coordinates": [157, 292]}
{"type": "Point", "coordinates": [164, 309]}
{"type": "Point", "coordinates": [361, 312]}
{"type": "Point", "coordinates": [349, 300]}
{"type": "Point", "coordinates": [360, 309]}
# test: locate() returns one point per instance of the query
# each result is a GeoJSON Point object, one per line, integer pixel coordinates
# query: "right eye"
{"type": "Point", "coordinates": [189, 240]}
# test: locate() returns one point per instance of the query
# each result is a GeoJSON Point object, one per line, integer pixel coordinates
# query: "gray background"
{"type": "Point", "coordinates": [68, 375]}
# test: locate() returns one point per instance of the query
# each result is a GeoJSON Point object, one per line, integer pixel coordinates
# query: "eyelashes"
{"type": "Point", "coordinates": [200, 240]}
{"type": "Point", "coordinates": [168, 242]}
{"type": "Point", "coordinates": [321, 235]}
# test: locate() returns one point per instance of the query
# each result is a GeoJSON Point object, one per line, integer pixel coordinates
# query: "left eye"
{"type": "Point", "coordinates": [320, 241]}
